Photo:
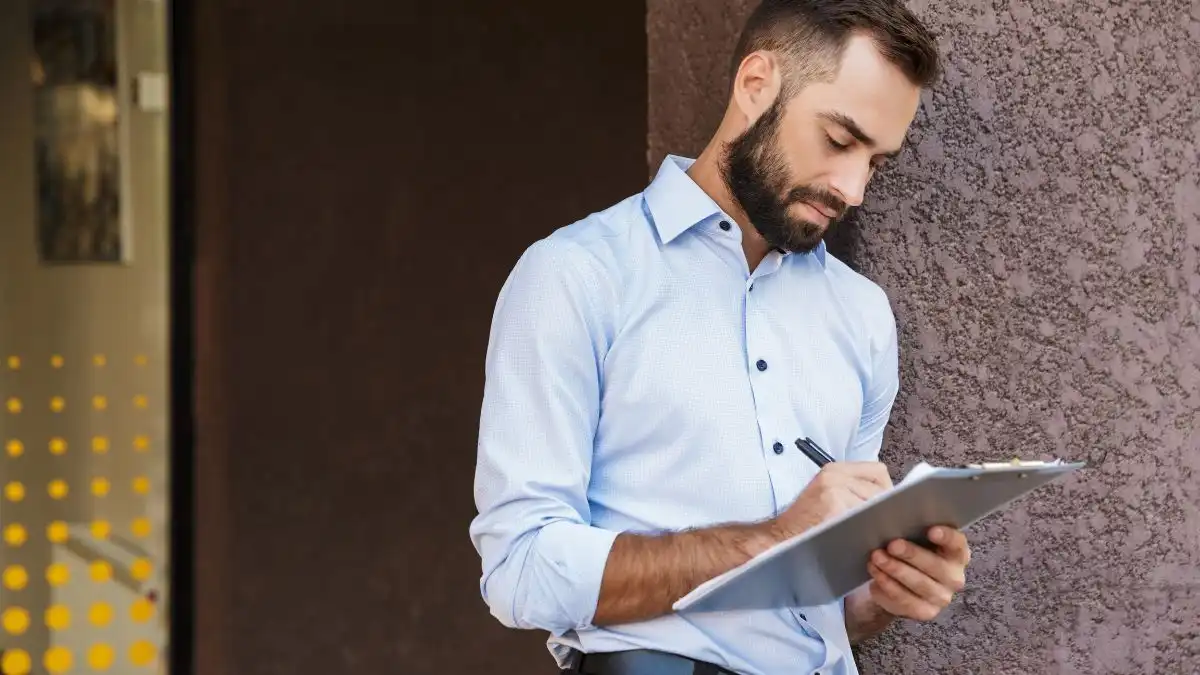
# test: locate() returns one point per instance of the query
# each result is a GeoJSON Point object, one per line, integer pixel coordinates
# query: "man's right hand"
{"type": "Point", "coordinates": [838, 487]}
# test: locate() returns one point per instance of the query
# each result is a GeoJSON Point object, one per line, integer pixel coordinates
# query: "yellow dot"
{"type": "Point", "coordinates": [99, 402]}
{"type": "Point", "coordinates": [101, 529]}
{"type": "Point", "coordinates": [15, 620]}
{"type": "Point", "coordinates": [57, 489]}
{"type": "Point", "coordinates": [57, 404]}
{"type": "Point", "coordinates": [141, 611]}
{"type": "Point", "coordinates": [58, 574]}
{"type": "Point", "coordinates": [14, 363]}
{"type": "Point", "coordinates": [14, 491]}
{"type": "Point", "coordinates": [100, 445]}
{"type": "Point", "coordinates": [56, 361]}
{"type": "Point", "coordinates": [57, 532]}
{"type": "Point", "coordinates": [15, 577]}
{"type": "Point", "coordinates": [100, 571]}
{"type": "Point", "coordinates": [58, 617]}
{"type": "Point", "coordinates": [141, 569]}
{"type": "Point", "coordinates": [16, 662]}
{"type": "Point", "coordinates": [141, 528]}
{"type": "Point", "coordinates": [142, 653]}
{"type": "Point", "coordinates": [141, 360]}
{"type": "Point", "coordinates": [140, 401]}
{"type": "Point", "coordinates": [15, 535]}
{"type": "Point", "coordinates": [100, 486]}
{"type": "Point", "coordinates": [141, 443]}
{"type": "Point", "coordinates": [15, 448]}
{"type": "Point", "coordinates": [58, 660]}
{"type": "Point", "coordinates": [100, 614]}
{"type": "Point", "coordinates": [58, 446]}
{"type": "Point", "coordinates": [99, 360]}
{"type": "Point", "coordinates": [14, 405]}
{"type": "Point", "coordinates": [101, 657]}
{"type": "Point", "coordinates": [141, 485]}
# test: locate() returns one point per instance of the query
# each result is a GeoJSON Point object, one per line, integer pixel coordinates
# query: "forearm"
{"type": "Point", "coordinates": [864, 617]}
{"type": "Point", "coordinates": [645, 575]}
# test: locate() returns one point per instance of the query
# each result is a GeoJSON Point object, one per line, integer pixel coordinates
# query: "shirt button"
{"type": "Point", "coordinates": [761, 365]}
{"type": "Point", "coordinates": [778, 447]}
{"type": "Point", "coordinates": [725, 225]}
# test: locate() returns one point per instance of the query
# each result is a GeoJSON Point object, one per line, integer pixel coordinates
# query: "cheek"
{"type": "Point", "coordinates": [805, 157]}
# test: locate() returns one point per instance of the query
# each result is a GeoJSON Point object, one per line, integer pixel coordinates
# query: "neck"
{"type": "Point", "coordinates": [706, 172]}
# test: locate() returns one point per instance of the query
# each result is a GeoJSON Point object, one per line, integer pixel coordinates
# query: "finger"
{"type": "Point", "coordinates": [897, 599]}
{"type": "Point", "coordinates": [952, 543]}
{"type": "Point", "coordinates": [916, 581]}
{"type": "Point", "coordinates": [874, 472]}
{"type": "Point", "coordinates": [863, 489]}
{"type": "Point", "coordinates": [948, 572]}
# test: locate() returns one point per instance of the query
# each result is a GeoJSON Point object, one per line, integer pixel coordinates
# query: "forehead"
{"type": "Point", "coordinates": [868, 89]}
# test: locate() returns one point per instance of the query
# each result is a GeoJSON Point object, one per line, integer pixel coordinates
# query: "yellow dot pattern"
{"type": "Point", "coordinates": [58, 574]}
{"type": "Point", "coordinates": [58, 617]}
{"type": "Point", "coordinates": [16, 662]}
{"type": "Point", "coordinates": [58, 660]}
{"type": "Point", "coordinates": [57, 489]}
{"type": "Point", "coordinates": [101, 529]}
{"type": "Point", "coordinates": [100, 614]}
{"type": "Point", "coordinates": [140, 528]}
{"type": "Point", "coordinates": [141, 611]}
{"type": "Point", "coordinates": [14, 491]}
{"type": "Point", "coordinates": [101, 657]}
{"type": "Point", "coordinates": [142, 653]}
{"type": "Point", "coordinates": [15, 620]}
{"type": "Point", "coordinates": [101, 487]}
{"type": "Point", "coordinates": [16, 488]}
{"type": "Point", "coordinates": [15, 535]}
{"type": "Point", "coordinates": [100, 571]}
{"type": "Point", "coordinates": [57, 532]}
{"type": "Point", "coordinates": [15, 577]}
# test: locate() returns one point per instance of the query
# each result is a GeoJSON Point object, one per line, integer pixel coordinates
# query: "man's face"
{"type": "Point", "coordinates": [803, 162]}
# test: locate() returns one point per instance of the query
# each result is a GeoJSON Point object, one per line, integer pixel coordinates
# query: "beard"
{"type": "Point", "coordinates": [758, 178]}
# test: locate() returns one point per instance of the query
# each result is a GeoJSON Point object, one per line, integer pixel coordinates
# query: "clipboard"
{"type": "Point", "coordinates": [827, 562]}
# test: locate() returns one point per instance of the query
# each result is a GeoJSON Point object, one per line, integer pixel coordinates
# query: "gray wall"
{"type": "Point", "coordinates": [1039, 241]}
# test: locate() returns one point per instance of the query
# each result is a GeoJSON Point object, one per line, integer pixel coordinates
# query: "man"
{"type": "Point", "coordinates": [651, 366]}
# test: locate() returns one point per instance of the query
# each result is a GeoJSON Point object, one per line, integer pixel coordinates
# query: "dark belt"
{"type": "Point", "coordinates": [642, 662]}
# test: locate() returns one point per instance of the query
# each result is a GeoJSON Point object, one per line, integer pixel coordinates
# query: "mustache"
{"type": "Point", "coordinates": [816, 196]}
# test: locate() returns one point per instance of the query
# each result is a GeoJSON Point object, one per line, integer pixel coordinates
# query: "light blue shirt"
{"type": "Point", "coordinates": [640, 378]}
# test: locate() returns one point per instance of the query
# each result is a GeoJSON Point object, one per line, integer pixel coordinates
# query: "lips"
{"type": "Point", "coordinates": [823, 210]}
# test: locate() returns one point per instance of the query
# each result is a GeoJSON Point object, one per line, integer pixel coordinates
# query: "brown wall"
{"type": "Point", "coordinates": [367, 173]}
{"type": "Point", "coordinates": [1039, 243]}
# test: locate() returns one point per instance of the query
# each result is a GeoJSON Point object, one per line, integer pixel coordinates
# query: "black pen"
{"type": "Point", "coordinates": [814, 451]}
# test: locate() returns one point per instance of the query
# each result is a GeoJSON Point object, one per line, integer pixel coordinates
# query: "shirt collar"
{"type": "Point", "coordinates": [677, 203]}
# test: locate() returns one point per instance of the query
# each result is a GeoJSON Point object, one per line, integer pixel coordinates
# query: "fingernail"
{"type": "Point", "coordinates": [898, 548]}
{"type": "Point", "coordinates": [880, 558]}
{"type": "Point", "coordinates": [936, 535]}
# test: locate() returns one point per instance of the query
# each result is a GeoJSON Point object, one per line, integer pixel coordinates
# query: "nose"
{"type": "Point", "coordinates": [850, 182]}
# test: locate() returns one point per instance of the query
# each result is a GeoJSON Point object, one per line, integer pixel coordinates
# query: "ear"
{"type": "Point", "coordinates": [756, 85]}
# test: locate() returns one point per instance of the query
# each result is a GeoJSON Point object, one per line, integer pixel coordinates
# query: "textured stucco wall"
{"type": "Point", "coordinates": [1039, 241]}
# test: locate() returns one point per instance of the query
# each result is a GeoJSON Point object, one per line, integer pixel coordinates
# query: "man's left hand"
{"type": "Point", "coordinates": [910, 581]}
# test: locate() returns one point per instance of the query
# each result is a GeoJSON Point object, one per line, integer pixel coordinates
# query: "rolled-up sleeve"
{"type": "Point", "coordinates": [542, 560]}
{"type": "Point", "coordinates": [882, 386]}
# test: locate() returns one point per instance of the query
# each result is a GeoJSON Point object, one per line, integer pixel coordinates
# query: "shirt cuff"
{"type": "Point", "coordinates": [571, 558]}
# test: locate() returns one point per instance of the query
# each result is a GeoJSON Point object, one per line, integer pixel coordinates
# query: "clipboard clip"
{"type": "Point", "coordinates": [1016, 463]}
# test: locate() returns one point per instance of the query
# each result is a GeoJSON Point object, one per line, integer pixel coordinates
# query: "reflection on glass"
{"type": "Point", "coordinates": [77, 135]}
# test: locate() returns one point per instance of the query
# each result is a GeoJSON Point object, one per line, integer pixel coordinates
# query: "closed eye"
{"type": "Point", "coordinates": [835, 145]}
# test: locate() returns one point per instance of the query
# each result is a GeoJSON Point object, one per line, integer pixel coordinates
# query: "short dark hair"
{"type": "Point", "coordinates": [811, 36]}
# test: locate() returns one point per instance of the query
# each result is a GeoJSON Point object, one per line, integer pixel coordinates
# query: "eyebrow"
{"type": "Point", "coordinates": [846, 122]}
